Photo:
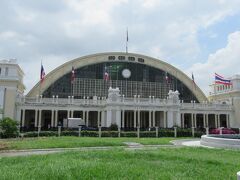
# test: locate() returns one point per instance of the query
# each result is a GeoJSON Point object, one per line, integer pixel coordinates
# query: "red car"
{"type": "Point", "coordinates": [224, 131]}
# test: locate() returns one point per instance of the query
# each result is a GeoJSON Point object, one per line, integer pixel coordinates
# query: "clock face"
{"type": "Point", "coordinates": [126, 73]}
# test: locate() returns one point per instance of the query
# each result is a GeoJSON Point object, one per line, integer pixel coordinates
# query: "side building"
{"type": "Point", "coordinates": [140, 91]}
{"type": "Point", "coordinates": [11, 87]}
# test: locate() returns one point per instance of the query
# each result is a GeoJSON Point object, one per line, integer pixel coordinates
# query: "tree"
{"type": "Point", "coordinates": [8, 128]}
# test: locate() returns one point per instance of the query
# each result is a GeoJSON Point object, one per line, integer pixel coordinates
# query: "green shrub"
{"type": "Point", "coordinates": [113, 127]}
{"type": "Point", "coordinates": [8, 128]}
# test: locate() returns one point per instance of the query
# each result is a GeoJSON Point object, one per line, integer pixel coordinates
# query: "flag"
{"type": "Point", "coordinates": [166, 78]}
{"type": "Point", "coordinates": [73, 75]}
{"type": "Point", "coordinates": [193, 81]}
{"type": "Point", "coordinates": [106, 75]}
{"type": "Point", "coordinates": [221, 80]}
{"type": "Point", "coordinates": [42, 74]}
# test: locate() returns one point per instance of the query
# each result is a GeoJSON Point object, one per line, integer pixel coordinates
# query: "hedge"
{"type": "Point", "coordinates": [161, 133]}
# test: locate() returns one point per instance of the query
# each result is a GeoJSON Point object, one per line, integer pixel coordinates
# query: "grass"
{"type": "Point", "coordinates": [163, 163]}
{"type": "Point", "coordinates": [71, 142]}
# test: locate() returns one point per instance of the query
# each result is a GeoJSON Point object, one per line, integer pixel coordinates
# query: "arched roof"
{"type": "Point", "coordinates": [103, 57]}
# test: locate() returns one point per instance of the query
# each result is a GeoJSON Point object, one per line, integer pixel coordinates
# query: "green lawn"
{"type": "Point", "coordinates": [70, 142]}
{"type": "Point", "coordinates": [163, 163]}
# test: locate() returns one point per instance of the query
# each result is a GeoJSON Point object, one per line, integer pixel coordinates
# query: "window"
{"type": "Point", "coordinates": [131, 58]}
{"type": "Point", "coordinates": [121, 57]}
{"type": "Point", "coordinates": [6, 71]}
{"type": "Point", "coordinates": [141, 60]}
{"type": "Point", "coordinates": [111, 57]}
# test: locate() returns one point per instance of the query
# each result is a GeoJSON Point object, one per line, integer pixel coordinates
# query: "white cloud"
{"type": "Point", "coordinates": [224, 61]}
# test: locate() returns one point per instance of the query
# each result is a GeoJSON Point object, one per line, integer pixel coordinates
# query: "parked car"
{"type": "Point", "coordinates": [84, 127]}
{"type": "Point", "coordinates": [224, 131]}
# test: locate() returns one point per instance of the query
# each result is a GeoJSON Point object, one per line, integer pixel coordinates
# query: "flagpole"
{"type": "Point", "coordinates": [127, 42]}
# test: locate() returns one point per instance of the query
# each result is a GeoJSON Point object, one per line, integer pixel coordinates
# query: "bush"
{"type": "Point", "coordinates": [8, 128]}
{"type": "Point", "coordinates": [113, 127]}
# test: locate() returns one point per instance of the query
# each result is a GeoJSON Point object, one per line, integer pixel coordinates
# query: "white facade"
{"type": "Point", "coordinates": [11, 87]}
{"type": "Point", "coordinates": [34, 111]}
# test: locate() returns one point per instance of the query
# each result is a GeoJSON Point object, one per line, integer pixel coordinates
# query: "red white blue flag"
{"type": "Point", "coordinates": [221, 80]}
{"type": "Point", "coordinates": [42, 74]}
{"type": "Point", "coordinates": [166, 77]}
{"type": "Point", "coordinates": [106, 75]}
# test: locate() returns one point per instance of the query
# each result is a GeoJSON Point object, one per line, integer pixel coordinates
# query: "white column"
{"type": "Point", "coordinates": [135, 119]}
{"type": "Point", "coordinates": [87, 115]}
{"type": "Point", "coordinates": [182, 120]}
{"type": "Point", "coordinates": [139, 119]}
{"type": "Point", "coordinates": [123, 118]}
{"type": "Point", "coordinates": [218, 119]}
{"type": "Point", "coordinates": [207, 123]}
{"type": "Point", "coordinates": [164, 119]}
{"type": "Point", "coordinates": [68, 114]}
{"type": "Point", "coordinates": [195, 120]}
{"type": "Point", "coordinates": [52, 118]}
{"type": "Point", "coordinates": [98, 118]}
{"type": "Point", "coordinates": [84, 116]}
{"type": "Point", "coordinates": [103, 119]}
{"type": "Point", "coordinates": [72, 113]}
{"type": "Point", "coordinates": [56, 118]}
{"type": "Point", "coordinates": [40, 118]}
{"type": "Point", "coordinates": [118, 118]}
{"type": "Point", "coordinates": [154, 116]}
{"type": "Point", "coordinates": [23, 118]}
{"type": "Point", "coordinates": [36, 118]}
{"type": "Point", "coordinates": [227, 118]}
{"type": "Point", "coordinates": [192, 121]}
{"type": "Point", "coordinates": [150, 118]}
{"type": "Point", "coordinates": [216, 125]}
{"type": "Point", "coordinates": [204, 120]}
{"type": "Point", "coordinates": [170, 119]}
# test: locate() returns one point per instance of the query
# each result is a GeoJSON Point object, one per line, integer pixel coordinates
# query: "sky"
{"type": "Point", "coordinates": [199, 37]}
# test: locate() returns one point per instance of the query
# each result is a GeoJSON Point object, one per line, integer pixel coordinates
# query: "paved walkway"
{"type": "Point", "coordinates": [130, 146]}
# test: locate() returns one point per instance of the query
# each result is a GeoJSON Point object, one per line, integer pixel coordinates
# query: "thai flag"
{"type": "Point", "coordinates": [221, 80]}
{"type": "Point", "coordinates": [42, 74]}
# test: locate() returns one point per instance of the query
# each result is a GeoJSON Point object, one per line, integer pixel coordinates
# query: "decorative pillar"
{"type": "Point", "coordinates": [40, 118]}
{"type": "Point", "coordinates": [204, 120]}
{"type": "Point", "coordinates": [139, 119]}
{"type": "Point", "coordinates": [98, 119]}
{"type": "Point", "coordinates": [103, 118]}
{"type": "Point", "coordinates": [36, 118]}
{"type": "Point", "coordinates": [192, 121]}
{"type": "Point", "coordinates": [135, 118]}
{"type": "Point", "coordinates": [182, 120]}
{"type": "Point", "coordinates": [154, 116]}
{"type": "Point", "coordinates": [52, 118]}
{"type": "Point", "coordinates": [195, 120]}
{"type": "Point", "coordinates": [228, 122]}
{"type": "Point", "coordinates": [164, 119]}
{"type": "Point", "coordinates": [56, 118]}
{"type": "Point", "coordinates": [207, 123]}
{"type": "Point", "coordinates": [87, 118]}
{"type": "Point", "coordinates": [23, 118]}
{"type": "Point", "coordinates": [84, 116]}
{"type": "Point", "coordinates": [68, 114]}
{"type": "Point", "coordinates": [123, 118]}
{"type": "Point", "coordinates": [118, 117]}
{"type": "Point", "coordinates": [216, 125]}
{"type": "Point", "coordinates": [150, 119]}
